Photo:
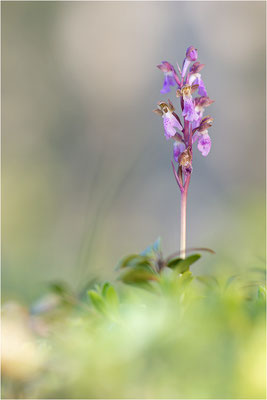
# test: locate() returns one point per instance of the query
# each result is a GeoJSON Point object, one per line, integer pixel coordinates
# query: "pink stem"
{"type": "Point", "coordinates": [186, 132]}
{"type": "Point", "coordinates": [183, 218]}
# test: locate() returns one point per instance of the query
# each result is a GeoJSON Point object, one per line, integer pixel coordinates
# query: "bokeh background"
{"type": "Point", "coordinates": [86, 174]}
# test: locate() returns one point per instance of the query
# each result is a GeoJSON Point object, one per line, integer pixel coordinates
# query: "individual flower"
{"type": "Point", "coordinates": [185, 161]}
{"type": "Point", "coordinates": [169, 74]}
{"type": "Point", "coordinates": [200, 104]}
{"type": "Point", "coordinates": [170, 119]}
{"type": "Point", "coordinates": [204, 140]}
{"type": "Point", "coordinates": [191, 55]}
{"type": "Point", "coordinates": [178, 148]}
{"type": "Point", "coordinates": [189, 111]}
{"type": "Point", "coordinates": [195, 79]}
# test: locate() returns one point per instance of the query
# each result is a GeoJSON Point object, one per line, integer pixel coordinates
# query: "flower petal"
{"type": "Point", "coordinates": [168, 82]}
{"type": "Point", "coordinates": [170, 123]}
{"type": "Point", "coordinates": [189, 111]}
{"type": "Point", "coordinates": [178, 148]}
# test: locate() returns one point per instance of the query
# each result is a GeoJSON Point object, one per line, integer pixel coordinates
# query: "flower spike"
{"type": "Point", "coordinates": [194, 128]}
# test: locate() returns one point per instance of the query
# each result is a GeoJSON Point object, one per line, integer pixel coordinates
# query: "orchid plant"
{"type": "Point", "coordinates": [194, 127]}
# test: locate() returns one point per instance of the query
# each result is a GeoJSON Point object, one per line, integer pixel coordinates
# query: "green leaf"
{"type": "Point", "coordinates": [97, 301]}
{"type": "Point", "coordinates": [112, 297]}
{"type": "Point", "coordinates": [134, 260]}
{"type": "Point", "coordinates": [138, 274]}
{"type": "Point", "coordinates": [182, 265]}
{"type": "Point", "coordinates": [186, 278]}
{"type": "Point", "coordinates": [105, 288]}
{"type": "Point", "coordinates": [174, 262]}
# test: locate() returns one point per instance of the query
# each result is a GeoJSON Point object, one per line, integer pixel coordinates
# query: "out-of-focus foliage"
{"type": "Point", "coordinates": [181, 336]}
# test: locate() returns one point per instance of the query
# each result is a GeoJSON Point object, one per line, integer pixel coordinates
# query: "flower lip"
{"type": "Point", "coordinates": [204, 144]}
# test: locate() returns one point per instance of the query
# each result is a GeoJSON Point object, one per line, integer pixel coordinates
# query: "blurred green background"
{"type": "Point", "coordinates": [86, 175]}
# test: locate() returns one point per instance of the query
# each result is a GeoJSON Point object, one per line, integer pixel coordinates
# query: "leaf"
{"type": "Point", "coordinates": [186, 278]}
{"type": "Point", "coordinates": [138, 274]}
{"type": "Point", "coordinates": [105, 288]}
{"type": "Point", "coordinates": [112, 297]}
{"type": "Point", "coordinates": [174, 262]}
{"type": "Point", "coordinates": [177, 254]}
{"type": "Point", "coordinates": [182, 265]}
{"type": "Point", "coordinates": [134, 260]}
{"type": "Point", "coordinates": [97, 301]}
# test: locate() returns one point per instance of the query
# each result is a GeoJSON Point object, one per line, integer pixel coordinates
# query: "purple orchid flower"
{"type": "Point", "coordinates": [185, 161]}
{"type": "Point", "coordinates": [171, 120]}
{"type": "Point", "coordinates": [169, 76]}
{"type": "Point", "coordinates": [204, 140]}
{"type": "Point", "coordinates": [170, 123]}
{"type": "Point", "coordinates": [200, 104]}
{"type": "Point", "coordinates": [195, 79]}
{"type": "Point", "coordinates": [189, 111]}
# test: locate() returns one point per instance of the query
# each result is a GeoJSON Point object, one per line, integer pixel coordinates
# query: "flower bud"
{"type": "Point", "coordinates": [191, 53]}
